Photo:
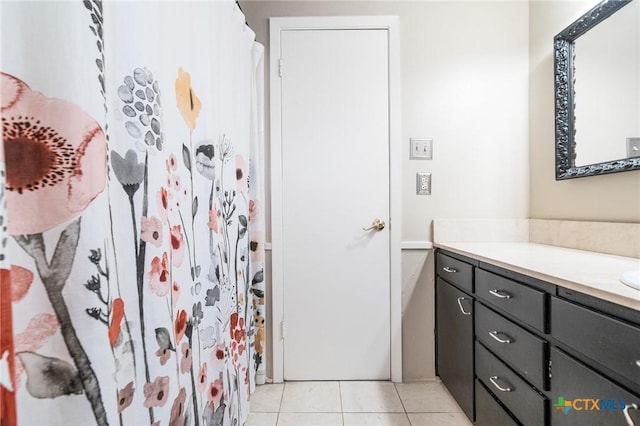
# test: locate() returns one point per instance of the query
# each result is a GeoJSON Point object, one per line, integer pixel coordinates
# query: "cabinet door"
{"type": "Point", "coordinates": [581, 396]}
{"type": "Point", "coordinates": [454, 331]}
{"type": "Point", "coordinates": [489, 412]}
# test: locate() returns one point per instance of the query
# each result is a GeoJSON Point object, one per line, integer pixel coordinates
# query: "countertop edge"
{"type": "Point", "coordinates": [582, 288]}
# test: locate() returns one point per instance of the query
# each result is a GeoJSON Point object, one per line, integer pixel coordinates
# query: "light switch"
{"type": "Point", "coordinates": [421, 149]}
{"type": "Point", "coordinates": [423, 183]}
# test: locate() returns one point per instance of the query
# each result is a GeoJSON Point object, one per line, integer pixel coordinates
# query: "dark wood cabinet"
{"type": "Point", "coordinates": [582, 396]}
{"type": "Point", "coordinates": [513, 349]}
{"type": "Point", "coordinates": [454, 357]}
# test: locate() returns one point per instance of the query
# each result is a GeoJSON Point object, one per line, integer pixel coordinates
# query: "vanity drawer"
{"type": "Point", "coordinates": [581, 396]}
{"type": "Point", "coordinates": [518, 396]}
{"type": "Point", "coordinates": [523, 351]}
{"type": "Point", "coordinates": [524, 303]}
{"type": "Point", "coordinates": [455, 271]}
{"type": "Point", "coordinates": [608, 341]}
{"type": "Point", "coordinates": [489, 412]}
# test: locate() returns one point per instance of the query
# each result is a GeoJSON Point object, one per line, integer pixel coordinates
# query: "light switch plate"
{"type": "Point", "coordinates": [423, 183]}
{"type": "Point", "coordinates": [421, 149]}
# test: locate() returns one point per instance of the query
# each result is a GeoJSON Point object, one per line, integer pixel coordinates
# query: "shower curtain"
{"type": "Point", "coordinates": [131, 225]}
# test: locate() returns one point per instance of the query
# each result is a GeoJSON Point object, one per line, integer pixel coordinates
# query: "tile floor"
{"type": "Point", "coordinates": [354, 404]}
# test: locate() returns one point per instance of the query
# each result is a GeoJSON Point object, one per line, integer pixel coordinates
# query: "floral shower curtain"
{"type": "Point", "coordinates": [131, 226]}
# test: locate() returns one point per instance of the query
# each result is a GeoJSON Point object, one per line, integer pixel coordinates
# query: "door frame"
{"type": "Point", "coordinates": [392, 25]}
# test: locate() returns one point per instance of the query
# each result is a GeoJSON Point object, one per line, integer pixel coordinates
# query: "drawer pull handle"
{"type": "Point", "coordinates": [449, 270]}
{"type": "Point", "coordinates": [494, 381]}
{"type": "Point", "coordinates": [638, 363]}
{"type": "Point", "coordinates": [494, 334]}
{"type": "Point", "coordinates": [460, 299]}
{"type": "Point", "coordinates": [500, 294]}
{"type": "Point", "coordinates": [627, 417]}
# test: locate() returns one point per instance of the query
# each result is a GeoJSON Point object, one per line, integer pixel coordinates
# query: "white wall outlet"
{"type": "Point", "coordinates": [423, 183]}
{"type": "Point", "coordinates": [421, 149]}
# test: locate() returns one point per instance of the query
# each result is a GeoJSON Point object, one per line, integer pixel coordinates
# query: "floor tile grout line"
{"type": "Point", "coordinates": [395, 385]}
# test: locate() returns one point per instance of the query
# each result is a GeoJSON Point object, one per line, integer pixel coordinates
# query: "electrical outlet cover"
{"type": "Point", "coordinates": [423, 183]}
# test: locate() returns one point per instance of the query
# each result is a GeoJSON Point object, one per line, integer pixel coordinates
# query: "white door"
{"type": "Point", "coordinates": [335, 182]}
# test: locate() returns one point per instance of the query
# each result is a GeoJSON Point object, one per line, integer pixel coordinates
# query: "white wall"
{"type": "Point", "coordinates": [464, 84]}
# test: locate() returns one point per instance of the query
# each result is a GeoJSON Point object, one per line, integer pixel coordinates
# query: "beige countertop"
{"type": "Point", "coordinates": [592, 273]}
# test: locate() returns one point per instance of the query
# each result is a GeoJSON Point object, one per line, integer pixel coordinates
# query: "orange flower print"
{"type": "Point", "coordinates": [214, 214]}
{"type": "Point", "coordinates": [151, 230]}
{"type": "Point", "coordinates": [177, 245]}
{"type": "Point", "coordinates": [55, 156]}
{"type": "Point", "coordinates": [159, 275]}
{"type": "Point", "coordinates": [116, 320]}
{"type": "Point", "coordinates": [188, 103]}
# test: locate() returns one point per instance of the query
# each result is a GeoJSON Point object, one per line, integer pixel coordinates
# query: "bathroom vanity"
{"type": "Point", "coordinates": [538, 335]}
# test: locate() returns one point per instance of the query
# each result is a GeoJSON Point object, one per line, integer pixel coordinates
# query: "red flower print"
{"type": "Point", "coordinates": [164, 354]}
{"type": "Point", "coordinates": [214, 214]}
{"type": "Point", "coordinates": [125, 397]}
{"type": "Point", "coordinates": [177, 245]}
{"type": "Point", "coordinates": [177, 409]}
{"type": "Point", "coordinates": [237, 328]}
{"type": "Point", "coordinates": [162, 200]}
{"type": "Point", "coordinates": [202, 377]}
{"type": "Point", "coordinates": [55, 156]}
{"type": "Point", "coordinates": [176, 293]}
{"type": "Point", "coordinates": [241, 174]}
{"type": "Point", "coordinates": [253, 210]}
{"type": "Point", "coordinates": [116, 320]}
{"type": "Point", "coordinates": [21, 280]}
{"type": "Point", "coordinates": [215, 393]}
{"type": "Point", "coordinates": [151, 230]}
{"type": "Point", "coordinates": [176, 182]}
{"type": "Point", "coordinates": [217, 358]}
{"type": "Point", "coordinates": [156, 393]}
{"type": "Point", "coordinates": [181, 324]}
{"type": "Point", "coordinates": [172, 163]}
{"type": "Point", "coordinates": [159, 276]}
{"type": "Point", "coordinates": [185, 363]}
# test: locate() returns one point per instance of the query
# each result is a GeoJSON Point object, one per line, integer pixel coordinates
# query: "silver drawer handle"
{"type": "Point", "coordinates": [638, 363]}
{"type": "Point", "coordinates": [494, 334]}
{"type": "Point", "coordinates": [500, 294]}
{"type": "Point", "coordinates": [460, 299]}
{"type": "Point", "coordinates": [494, 381]}
{"type": "Point", "coordinates": [627, 417]}
{"type": "Point", "coordinates": [449, 270]}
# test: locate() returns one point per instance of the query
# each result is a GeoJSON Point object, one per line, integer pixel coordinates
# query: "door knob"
{"type": "Point", "coordinates": [377, 224]}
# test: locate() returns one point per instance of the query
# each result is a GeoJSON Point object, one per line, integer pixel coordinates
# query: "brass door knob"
{"type": "Point", "coordinates": [377, 225]}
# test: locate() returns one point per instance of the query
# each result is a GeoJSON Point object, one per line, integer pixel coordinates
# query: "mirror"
{"type": "Point", "coordinates": [597, 91]}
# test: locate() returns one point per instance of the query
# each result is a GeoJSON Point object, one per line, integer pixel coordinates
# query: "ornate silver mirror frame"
{"type": "Point", "coordinates": [564, 55]}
